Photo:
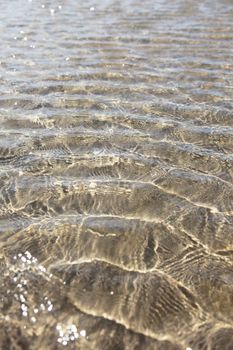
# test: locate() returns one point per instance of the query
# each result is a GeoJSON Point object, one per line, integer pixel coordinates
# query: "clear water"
{"type": "Point", "coordinates": [116, 166]}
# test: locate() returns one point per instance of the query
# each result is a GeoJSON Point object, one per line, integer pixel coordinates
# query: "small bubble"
{"type": "Point", "coordinates": [111, 292]}
{"type": "Point", "coordinates": [60, 7]}
{"type": "Point", "coordinates": [50, 308]}
{"type": "Point", "coordinates": [67, 58]}
{"type": "Point", "coordinates": [42, 307]}
{"type": "Point", "coordinates": [41, 268]}
{"type": "Point", "coordinates": [24, 307]}
{"type": "Point", "coordinates": [24, 313]}
{"type": "Point", "coordinates": [92, 8]}
{"type": "Point", "coordinates": [83, 333]}
{"type": "Point", "coordinates": [36, 311]}
{"type": "Point", "coordinates": [22, 299]}
{"type": "Point", "coordinates": [52, 11]}
{"type": "Point", "coordinates": [73, 328]}
{"type": "Point", "coordinates": [43, 6]}
{"type": "Point", "coordinates": [33, 319]}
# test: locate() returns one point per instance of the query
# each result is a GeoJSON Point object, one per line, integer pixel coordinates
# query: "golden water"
{"type": "Point", "coordinates": [116, 166]}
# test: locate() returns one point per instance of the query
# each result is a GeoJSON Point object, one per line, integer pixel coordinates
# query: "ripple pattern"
{"type": "Point", "coordinates": [116, 169]}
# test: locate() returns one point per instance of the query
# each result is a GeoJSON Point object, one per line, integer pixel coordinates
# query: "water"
{"type": "Point", "coordinates": [116, 195]}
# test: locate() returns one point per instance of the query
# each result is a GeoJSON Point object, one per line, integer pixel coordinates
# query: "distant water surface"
{"type": "Point", "coordinates": [116, 167]}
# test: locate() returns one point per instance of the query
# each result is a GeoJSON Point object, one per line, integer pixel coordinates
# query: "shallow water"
{"type": "Point", "coordinates": [116, 196]}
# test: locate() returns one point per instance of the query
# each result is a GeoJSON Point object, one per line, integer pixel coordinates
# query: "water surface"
{"type": "Point", "coordinates": [116, 166]}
